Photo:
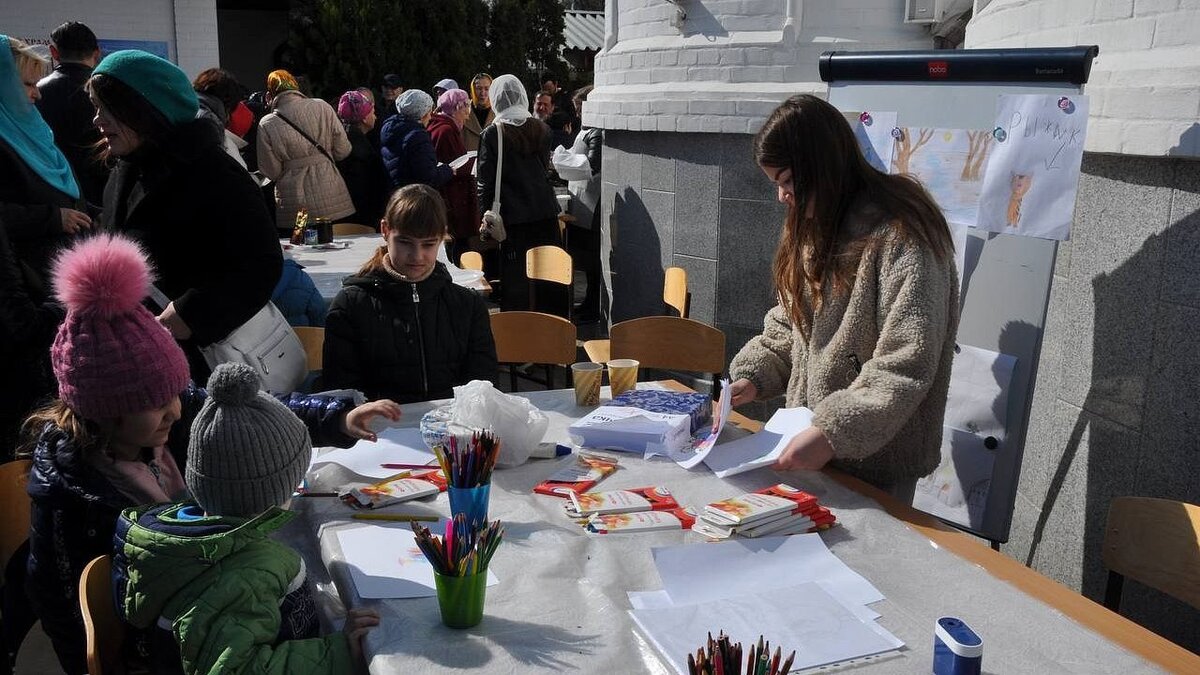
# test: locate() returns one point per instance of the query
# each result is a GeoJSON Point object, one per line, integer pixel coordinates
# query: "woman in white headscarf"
{"type": "Point", "coordinates": [407, 149]}
{"type": "Point", "coordinates": [528, 207]}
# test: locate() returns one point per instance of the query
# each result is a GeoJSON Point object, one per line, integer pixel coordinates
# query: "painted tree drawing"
{"type": "Point", "coordinates": [980, 142]}
{"type": "Point", "coordinates": [905, 148]}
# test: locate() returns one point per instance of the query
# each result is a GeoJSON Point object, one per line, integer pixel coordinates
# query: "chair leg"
{"type": "Point", "coordinates": [512, 376]}
{"type": "Point", "coordinates": [1112, 591]}
{"type": "Point", "coordinates": [549, 376]}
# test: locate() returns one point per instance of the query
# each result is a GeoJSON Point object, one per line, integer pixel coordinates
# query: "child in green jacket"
{"type": "Point", "coordinates": [209, 572]}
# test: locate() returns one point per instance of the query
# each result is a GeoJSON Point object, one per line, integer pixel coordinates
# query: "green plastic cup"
{"type": "Point", "coordinates": [461, 599]}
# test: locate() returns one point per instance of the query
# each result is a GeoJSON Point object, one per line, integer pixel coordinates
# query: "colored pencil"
{"type": "Point", "coordinates": [402, 517]}
{"type": "Point", "coordinates": [306, 493]}
{"type": "Point", "coordinates": [787, 665]}
{"type": "Point", "coordinates": [406, 466]}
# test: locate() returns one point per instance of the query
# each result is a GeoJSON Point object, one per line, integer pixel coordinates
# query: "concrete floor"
{"type": "Point", "coordinates": [37, 656]}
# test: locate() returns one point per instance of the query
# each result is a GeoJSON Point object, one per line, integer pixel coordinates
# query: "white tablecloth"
{"type": "Point", "coordinates": [561, 604]}
{"type": "Point", "coordinates": [328, 267]}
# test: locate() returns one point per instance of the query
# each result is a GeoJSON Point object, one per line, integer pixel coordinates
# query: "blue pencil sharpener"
{"type": "Point", "coordinates": [957, 650]}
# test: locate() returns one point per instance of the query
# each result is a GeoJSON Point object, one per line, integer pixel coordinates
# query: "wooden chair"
{"type": "Point", "coordinates": [14, 503]}
{"type": "Point", "coordinates": [1155, 542]}
{"type": "Point", "coordinates": [104, 629]}
{"type": "Point", "coordinates": [313, 339]}
{"type": "Point", "coordinates": [675, 290]}
{"type": "Point", "coordinates": [550, 264]}
{"type": "Point", "coordinates": [345, 229]}
{"type": "Point", "coordinates": [533, 337]}
{"type": "Point", "coordinates": [671, 343]}
{"type": "Point", "coordinates": [471, 260]}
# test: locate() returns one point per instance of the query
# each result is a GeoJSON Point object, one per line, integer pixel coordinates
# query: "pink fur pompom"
{"type": "Point", "coordinates": [105, 275]}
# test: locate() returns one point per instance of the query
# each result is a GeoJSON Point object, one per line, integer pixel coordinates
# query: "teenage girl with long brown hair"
{"type": "Point", "coordinates": [868, 305]}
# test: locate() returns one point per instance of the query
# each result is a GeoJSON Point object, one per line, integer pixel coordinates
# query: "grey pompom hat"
{"type": "Point", "coordinates": [247, 451]}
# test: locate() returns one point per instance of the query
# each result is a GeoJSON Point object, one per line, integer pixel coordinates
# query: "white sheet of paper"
{"type": "Point", "coordinates": [978, 398]}
{"type": "Point", "coordinates": [460, 161]}
{"type": "Point", "coordinates": [385, 562]}
{"type": "Point", "coordinates": [761, 449]}
{"type": "Point", "coordinates": [700, 449]}
{"type": "Point", "coordinates": [804, 617]}
{"type": "Point", "coordinates": [395, 446]}
{"type": "Point", "coordinates": [875, 140]}
{"type": "Point", "coordinates": [958, 489]}
{"type": "Point", "coordinates": [949, 163]}
{"type": "Point", "coordinates": [1032, 175]}
{"type": "Point", "coordinates": [660, 599]}
{"type": "Point", "coordinates": [695, 573]}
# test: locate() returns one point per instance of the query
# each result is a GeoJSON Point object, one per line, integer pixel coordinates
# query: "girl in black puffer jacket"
{"type": "Point", "coordinates": [401, 329]}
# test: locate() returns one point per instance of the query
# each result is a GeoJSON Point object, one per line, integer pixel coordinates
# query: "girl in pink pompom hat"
{"type": "Point", "coordinates": [116, 436]}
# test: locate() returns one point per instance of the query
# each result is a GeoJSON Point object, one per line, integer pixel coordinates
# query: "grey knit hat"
{"type": "Point", "coordinates": [413, 104]}
{"type": "Point", "coordinates": [248, 452]}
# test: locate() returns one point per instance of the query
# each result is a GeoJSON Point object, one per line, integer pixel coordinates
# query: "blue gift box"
{"type": "Point", "coordinates": [696, 406]}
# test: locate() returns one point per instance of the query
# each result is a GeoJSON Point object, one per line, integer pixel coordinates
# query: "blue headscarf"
{"type": "Point", "coordinates": [24, 130]}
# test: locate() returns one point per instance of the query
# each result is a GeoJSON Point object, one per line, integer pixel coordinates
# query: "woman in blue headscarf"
{"type": "Point", "coordinates": [40, 204]}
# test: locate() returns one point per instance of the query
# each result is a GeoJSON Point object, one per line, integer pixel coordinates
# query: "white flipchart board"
{"type": "Point", "coordinates": [1006, 281]}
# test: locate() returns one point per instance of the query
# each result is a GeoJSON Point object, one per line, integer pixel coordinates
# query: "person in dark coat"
{"type": "Point", "coordinates": [401, 329]}
{"type": "Point", "coordinates": [65, 106]}
{"type": "Point", "coordinates": [118, 433]}
{"type": "Point", "coordinates": [527, 203]}
{"type": "Point", "coordinates": [297, 296]}
{"type": "Point", "coordinates": [362, 169]}
{"type": "Point", "coordinates": [445, 128]}
{"type": "Point", "coordinates": [40, 203]}
{"type": "Point", "coordinates": [407, 150]}
{"type": "Point", "coordinates": [197, 212]}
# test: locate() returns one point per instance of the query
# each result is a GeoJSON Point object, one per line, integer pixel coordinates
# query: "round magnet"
{"type": "Point", "coordinates": [897, 133]}
{"type": "Point", "coordinates": [1066, 105]}
{"type": "Point", "coordinates": [865, 118]}
{"type": "Point", "coordinates": [1000, 134]}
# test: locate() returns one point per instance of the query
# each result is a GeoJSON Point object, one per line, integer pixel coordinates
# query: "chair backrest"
{"type": "Point", "coordinates": [675, 290]}
{"type": "Point", "coordinates": [471, 260]}
{"type": "Point", "coordinates": [669, 343]}
{"type": "Point", "coordinates": [549, 263]}
{"type": "Point", "coordinates": [345, 229]}
{"type": "Point", "coordinates": [313, 339]}
{"type": "Point", "coordinates": [14, 504]}
{"type": "Point", "coordinates": [1155, 542]}
{"type": "Point", "coordinates": [104, 629]}
{"type": "Point", "coordinates": [533, 337]}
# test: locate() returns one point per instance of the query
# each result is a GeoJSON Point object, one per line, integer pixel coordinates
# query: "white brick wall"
{"type": "Point", "coordinates": [189, 27]}
{"type": "Point", "coordinates": [1145, 84]}
{"type": "Point", "coordinates": [732, 63]}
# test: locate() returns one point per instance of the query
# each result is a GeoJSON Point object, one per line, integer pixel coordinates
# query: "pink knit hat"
{"type": "Point", "coordinates": [111, 355]}
{"type": "Point", "coordinates": [353, 107]}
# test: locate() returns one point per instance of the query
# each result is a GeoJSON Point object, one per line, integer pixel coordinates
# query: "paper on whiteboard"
{"type": "Point", "coordinates": [761, 449]}
{"type": "Point", "coordinates": [875, 139]}
{"type": "Point", "coordinates": [804, 617]}
{"type": "Point", "coordinates": [1032, 175]}
{"type": "Point", "coordinates": [699, 448]}
{"type": "Point", "coordinates": [978, 397]}
{"type": "Point", "coordinates": [696, 573]}
{"type": "Point", "coordinates": [958, 489]}
{"type": "Point", "coordinates": [949, 163]}
{"type": "Point", "coordinates": [385, 562]}
{"type": "Point", "coordinates": [395, 446]}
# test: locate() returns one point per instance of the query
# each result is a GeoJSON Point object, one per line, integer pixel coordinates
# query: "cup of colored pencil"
{"type": "Point", "coordinates": [460, 560]}
{"type": "Point", "coordinates": [467, 462]}
{"type": "Point", "coordinates": [722, 657]}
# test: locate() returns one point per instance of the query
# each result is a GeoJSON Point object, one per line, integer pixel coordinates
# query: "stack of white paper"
{"type": "Point", "coordinates": [792, 590]}
{"type": "Point", "coordinates": [385, 562]}
{"type": "Point", "coordinates": [395, 446]}
{"type": "Point", "coordinates": [761, 449]}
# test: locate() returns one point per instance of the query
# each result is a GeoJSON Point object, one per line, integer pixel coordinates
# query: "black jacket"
{"type": "Point", "coordinates": [74, 511]}
{"type": "Point", "coordinates": [526, 195]}
{"type": "Point", "coordinates": [205, 226]}
{"type": "Point", "coordinates": [28, 322]}
{"type": "Point", "coordinates": [66, 108]}
{"type": "Point", "coordinates": [407, 342]}
{"type": "Point", "coordinates": [408, 154]}
{"type": "Point", "coordinates": [29, 212]}
{"type": "Point", "coordinates": [365, 178]}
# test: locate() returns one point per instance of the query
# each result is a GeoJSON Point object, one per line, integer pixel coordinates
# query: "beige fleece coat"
{"type": "Point", "coordinates": [472, 131]}
{"type": "Point", "coordinates": [877, 367]}
{"type": "Point", "coordinates": [304, 178]}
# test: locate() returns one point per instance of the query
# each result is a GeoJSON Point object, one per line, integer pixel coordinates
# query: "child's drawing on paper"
{"type": "Point", "coordinates": [1020, 185]}
{"type": "Point", "coordinates": [958, 489]}
{"type": "Point", "coordinates": [949, 163]}
{"type": "Point", "coordinates": [1031, 176]}
{"type": "Point", "coordinates": [873, 130]}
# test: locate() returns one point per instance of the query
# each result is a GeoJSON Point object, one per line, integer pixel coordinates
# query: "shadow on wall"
{"type": "Point", "coordinates": [1189, 143]}
{"type": "Point", "coordinates": [700, 21]}
{"type": "Point", "coordinates": [636, 259]}
{"type": "Point", "coordinates": [1141, 415]}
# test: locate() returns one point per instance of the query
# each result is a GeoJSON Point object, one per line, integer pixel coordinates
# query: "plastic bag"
{"type": "Point", "coordinates": [571, 165]}
{"type": "Point", "coordinates": [515, 421]}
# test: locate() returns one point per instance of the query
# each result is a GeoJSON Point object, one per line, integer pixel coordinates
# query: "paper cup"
{"type": "Point", "coordinates": [587, 376]}
{"type": "Point", "coordinates": [471, 502]}
{"type": "Point", "coordinates": [460, 599]}
{"type": "Point", "coordinates": [622, 375]}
